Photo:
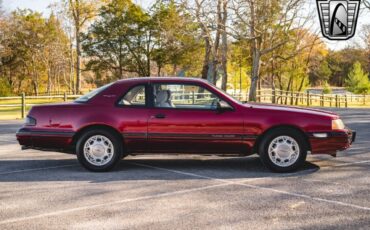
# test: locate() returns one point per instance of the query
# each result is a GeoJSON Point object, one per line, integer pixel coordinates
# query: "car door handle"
{"type": "Point", "coordinates": [160, 116]}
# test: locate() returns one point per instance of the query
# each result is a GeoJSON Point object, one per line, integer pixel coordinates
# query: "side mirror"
{"type": "Point", "coordinates": [223, 106]}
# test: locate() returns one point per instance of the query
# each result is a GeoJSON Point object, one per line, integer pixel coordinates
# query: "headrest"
{"type": "Point", "coordinates": [162, 95]}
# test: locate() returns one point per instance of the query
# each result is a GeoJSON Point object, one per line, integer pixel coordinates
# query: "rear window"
{"type": "Point", "coordinates": [93, 93]}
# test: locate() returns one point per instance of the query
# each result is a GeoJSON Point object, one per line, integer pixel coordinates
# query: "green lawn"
{"type": "Point", "coordinates": [8, 113]}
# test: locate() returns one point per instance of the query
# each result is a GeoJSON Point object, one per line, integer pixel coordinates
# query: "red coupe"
{"type": "Point", "coordinates": [180, 115]}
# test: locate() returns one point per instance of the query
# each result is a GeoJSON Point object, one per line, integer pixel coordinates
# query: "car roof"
{"type": "Point", "coordinates": [160, 79]}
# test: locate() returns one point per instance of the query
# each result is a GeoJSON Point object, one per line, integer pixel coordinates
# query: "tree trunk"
{"type": "Point", "coordinates": [159, 71]}
{"type": "Point", "coordinates": [214, 70]}
{"type": "Point", "coordinates": [224, 46]}
{"type": "Point", "coordinates": [211, 71]}
{"type": "Point", "coordinates": [255, 54]}
{"type": "Point", "coordinates": [288, 89]}
{"type": "Point", "coordinates": [78, 60]}
{"type": "Point", "coordinates": [49, 82]}
{"type": "Point", "coordinates": [174, 70]}
{"type": "Point", "coordinates": [35, 84]}
{"type": "Point", "coordinates": [299, 89]}
{"type": "Point", "coordinates": [71, 69]}
{"type": "Point", "coordinates": [254, 75]}
{"type": "Point", "coordinates": [273, 87]}
{"type": "Point", "coordinates": [206, 61]}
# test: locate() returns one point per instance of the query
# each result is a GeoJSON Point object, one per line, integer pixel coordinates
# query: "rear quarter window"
{"type": "Point", "coordinates": [88, 96]}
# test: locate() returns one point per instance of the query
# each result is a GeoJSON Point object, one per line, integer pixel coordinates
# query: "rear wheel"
{"type": "Point", "coordinates": [98, 150]}
{"type": "Point", "coordinates": [283, 150]}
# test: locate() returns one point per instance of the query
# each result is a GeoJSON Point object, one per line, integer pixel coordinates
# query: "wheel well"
{"type": "Point", "coordinates": [95, 126]}
{"type": "Point", "coordinates": [291, 127]}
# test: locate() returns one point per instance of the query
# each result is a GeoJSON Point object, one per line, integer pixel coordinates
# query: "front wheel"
{"type": "Point", "coordinates": [98, 150]}
{"type": "Point", "coordinates": [283, 150]}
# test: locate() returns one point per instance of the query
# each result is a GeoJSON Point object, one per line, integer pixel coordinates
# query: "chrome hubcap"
{"type": "Point", "coordinates": [283, 151]}
{"type": "Point", "coordinates": [98, 150]}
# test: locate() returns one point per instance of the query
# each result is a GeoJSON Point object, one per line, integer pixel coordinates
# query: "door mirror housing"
{"type": "Point", "coordinates": [223, 106]}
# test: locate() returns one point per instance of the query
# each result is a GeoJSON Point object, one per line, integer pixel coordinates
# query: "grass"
{"type": "Point", "coordinates": [15, 112]}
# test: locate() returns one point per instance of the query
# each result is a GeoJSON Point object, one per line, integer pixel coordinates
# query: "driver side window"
{"type": "Point", "coordinates": [184, 96]}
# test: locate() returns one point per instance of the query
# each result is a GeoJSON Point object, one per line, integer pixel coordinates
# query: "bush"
{"type": "Point", "coordinates": [5, 89]}
{"type": "Point", "coordinates": [358, 81]}
{"type": "Point", "coordinates": [326, 89]}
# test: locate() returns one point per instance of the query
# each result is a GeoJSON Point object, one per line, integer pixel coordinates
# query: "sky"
{"type": "Point", "coordinates": [42, 6]}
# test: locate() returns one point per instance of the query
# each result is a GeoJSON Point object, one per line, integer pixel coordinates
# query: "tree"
{"type": "Point", "coordinates": [120, 42]}
{"type": "Point", "coordinates": [266, 24]}
{"type": "Point", "coordinates": [5, 89]}
{"type": "Point", "coordinates": [211, 17]}
{"type": "Point", "coordinates": [367, 4]}
{"type": "Point", "coordinates": [288, 66]}
{"type": "Point", "coordinates": [326, 89]}
{"type": "Point", "coordinates": [174, 35]}
{"type": "Point", "coordinates": [56, 54]}
{"type": "Point", "coordinates": [33, 52]}
{"type": "Point", "coordinates": [341, 61]}
{"type": "Point", "coordinates": [358, 81]}
{"type": "Point", "coordinates": [81, 12]}
{"type": "Point", "coordinates": [321, 74]}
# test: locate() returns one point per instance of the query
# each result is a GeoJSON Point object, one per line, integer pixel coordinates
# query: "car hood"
{"type": "Point", "coordinates": [293, 109]}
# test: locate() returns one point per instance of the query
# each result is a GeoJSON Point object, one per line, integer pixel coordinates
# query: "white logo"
{"type": "Point", "coordinates": [338, 18]}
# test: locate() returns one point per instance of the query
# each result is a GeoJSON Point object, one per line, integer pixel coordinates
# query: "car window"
{"type": "Point", "coordinates": [135, 96]}
{"type": "Point", "coordinates": [185, 96]}
{"type": "Point", "coordinates": [93, 93]}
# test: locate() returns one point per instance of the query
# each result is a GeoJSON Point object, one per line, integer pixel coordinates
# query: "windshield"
{"type": "Point", "coordinates": [93, 93]}
{"type": "Point", "coordinates": [233, 96]}
{"type": "Point", "coordinates": [235, 99]}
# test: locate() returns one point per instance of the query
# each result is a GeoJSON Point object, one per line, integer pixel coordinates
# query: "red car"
{"type": "Point", "coordinates": [180, 115]}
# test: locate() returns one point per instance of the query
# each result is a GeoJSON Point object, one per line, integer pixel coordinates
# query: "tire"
{"type": "Point", "coordinates": [283, 150]}
{"type": "Point", "coordinates": [99, 150]}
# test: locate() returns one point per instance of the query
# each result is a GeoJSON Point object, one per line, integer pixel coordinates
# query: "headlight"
{"type": "Point", "coordinates": [337, 124]}
{"type": "Point", "coordinates": [30, 121]}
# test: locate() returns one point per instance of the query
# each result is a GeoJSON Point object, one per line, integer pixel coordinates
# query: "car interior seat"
{"type": "Point", "coordinates": [163, 99]}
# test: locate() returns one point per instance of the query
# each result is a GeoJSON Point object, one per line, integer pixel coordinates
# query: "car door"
{"type": "Point", "coordinates": [184, 119]}
{"type": "Point", "coordinates": [132, 112]}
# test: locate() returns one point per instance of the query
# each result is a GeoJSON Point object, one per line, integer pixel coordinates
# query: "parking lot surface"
{"type": "Point", "coordinates": [49, 190]}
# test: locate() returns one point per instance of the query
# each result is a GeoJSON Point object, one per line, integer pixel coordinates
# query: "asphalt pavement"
{"type": "Point", "coordinates": [50, 190]}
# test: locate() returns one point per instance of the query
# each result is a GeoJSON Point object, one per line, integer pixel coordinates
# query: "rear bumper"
{"type": "Point", "coordinates": [49, 139]}
{"type": "Point", "coordinates": [333, 142]}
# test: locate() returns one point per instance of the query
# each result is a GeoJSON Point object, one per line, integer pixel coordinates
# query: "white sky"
{"type": "Point", "coordinates": [42, 6]}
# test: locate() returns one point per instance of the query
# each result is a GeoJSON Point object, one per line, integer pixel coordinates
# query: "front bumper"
{"type": "Point", "coordinates": [333, 141]}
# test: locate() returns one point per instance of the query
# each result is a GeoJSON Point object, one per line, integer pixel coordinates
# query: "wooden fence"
{"type": "Point", "coordinates": [21, 103]}
{"type": "Point", "coordinates": [310, 99]}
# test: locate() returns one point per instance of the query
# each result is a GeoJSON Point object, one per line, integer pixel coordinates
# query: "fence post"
{"type": "Point", "coordinates": [336, 100]}
{"type": "Point", "coordinates": [322, 100]}
{"type": "Point", "coordinates": [364, 99]}
{"type": "Point", "coordinates": [346, 101]}
{"type": "Point", "coordinates": [65, 96]}
{"type": "Point", "coordinates": [302, 98]}
{"type": "Point", "coordinates": [331, 100]}
{"type": "Point", "coordinates": [23, 105]}
{"type": "Point", "coordinates": [193, 97]}
{"type": "Point", "coordinates": [308, 98]}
